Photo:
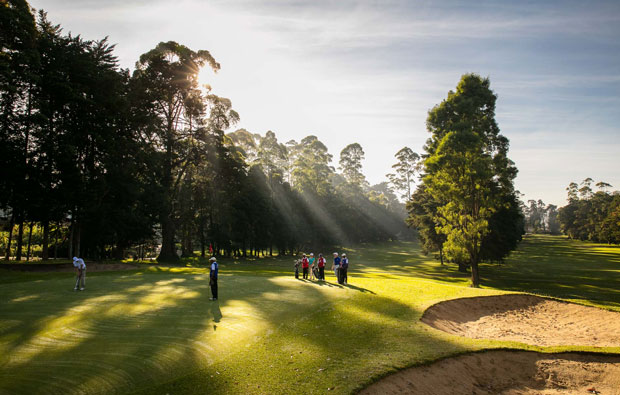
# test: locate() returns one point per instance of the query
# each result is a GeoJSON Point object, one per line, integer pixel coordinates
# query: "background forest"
{"type": "Point", "coordinates": [96, 161]}
{"type": "Point", "coordinates": [102, 162]}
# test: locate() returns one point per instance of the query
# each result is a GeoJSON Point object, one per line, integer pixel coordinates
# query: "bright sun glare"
{"type": "Point", "coordinates": [205, 76]}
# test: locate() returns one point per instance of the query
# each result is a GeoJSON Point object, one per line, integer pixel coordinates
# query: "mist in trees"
{"type": "Point", "coordinates": [96, 161]}
{"type": "Point", "coordinates": [541, 218]}
{"type": "Point", "coordinates": [319, 206]}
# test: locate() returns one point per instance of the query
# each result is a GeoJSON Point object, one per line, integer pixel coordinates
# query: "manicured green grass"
{"type": "Point", "coordinates": [153, 330]}
{"type": "Point", "coordinates": [563, 268]}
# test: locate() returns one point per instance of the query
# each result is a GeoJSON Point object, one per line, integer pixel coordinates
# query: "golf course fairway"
{"type": "Point", "coordinates": [153, 330]}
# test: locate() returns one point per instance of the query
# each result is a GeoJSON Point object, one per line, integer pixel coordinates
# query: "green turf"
{"type": "Point", "coordinates": [154, 330]}
{"type": "Point", "coordinates": [563, 268]}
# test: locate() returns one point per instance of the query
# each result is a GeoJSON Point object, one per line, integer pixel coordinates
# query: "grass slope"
{"type": "Point", "coordinates": [153, 330]}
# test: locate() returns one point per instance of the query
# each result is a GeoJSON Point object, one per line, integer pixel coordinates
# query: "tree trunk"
{"type": "Point", "coordinates": [475, 275]}
{"type": "Point", "coordinates": [20, 240]}
{"type": "Point", "coordinates": [18, 255]}
{"type": "Point", "coordinates": [46, 239]}
{"type": "Point", "coordinates": [119, 253]}
{"type": "Point", "coordinates": [202, 240]}
{"type": "Point", "coordinates": [168, 250]}
{"type": "Point", "coordinates": [71, 232]}
{"type": "Point", "coordinates": [441, 255]}
{"type": "Point", "coordinates": [56, 240]}
{"type": "Point", "coordinates": [187, 249]}
{"type": "Point", "coordinates": [29, 241]}
{"type": "Point", "coordinates": [8, 244]}
{"type": "Point", "coordinates": [78, 238]}
{"type": "Point", "coordinates": [462, 267]}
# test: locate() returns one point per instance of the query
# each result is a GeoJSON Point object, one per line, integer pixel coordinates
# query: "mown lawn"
{"type": "Point", "coordinates": [153, 330]}
{"type": "Point", "coordinates": [556, 266]}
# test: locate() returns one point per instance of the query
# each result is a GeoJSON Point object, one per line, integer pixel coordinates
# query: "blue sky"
{"type": "Point", "coordinates": [369, 71]}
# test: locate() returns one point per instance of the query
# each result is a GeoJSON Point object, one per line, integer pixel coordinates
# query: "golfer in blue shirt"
{"type": "Point", "coordinates": [213, 272]}
{"type": "Point", "coordinates": [336, 266]}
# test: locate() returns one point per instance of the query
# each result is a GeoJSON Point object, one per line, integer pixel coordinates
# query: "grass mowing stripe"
{"type": "Point", "coordinates": [153, 330]}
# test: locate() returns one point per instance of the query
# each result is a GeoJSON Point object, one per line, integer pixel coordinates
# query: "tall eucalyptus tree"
{"type": "Point", "coordinates": [167, 78]}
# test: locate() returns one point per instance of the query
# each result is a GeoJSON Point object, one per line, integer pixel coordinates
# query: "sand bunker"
{"type": "Point", "coordinates": [508, 373]}
{"type": "Point", "coordinates": [526, 319]}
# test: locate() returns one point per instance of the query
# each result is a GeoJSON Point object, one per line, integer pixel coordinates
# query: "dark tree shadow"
{"type": "Point", "coordinates": [351, 286]}
{"type": "Point", "coordinates": [216, 313]}
{"type": "Point", "coordinates": [135, 331]}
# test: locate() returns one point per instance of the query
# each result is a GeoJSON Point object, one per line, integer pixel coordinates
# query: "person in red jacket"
{"type": "Point", "coordinates": [321, 267]}
{"type": "Point", "coordinates": [305, 263]}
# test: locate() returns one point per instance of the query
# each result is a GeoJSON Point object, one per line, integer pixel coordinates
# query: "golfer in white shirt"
{"type": "Point", "coordinates": [80, 271]}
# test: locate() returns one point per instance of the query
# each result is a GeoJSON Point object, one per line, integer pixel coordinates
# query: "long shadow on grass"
{"type": "Point", "coordinates": [402, 258]}
{"type": "Point", "coordinates": [123, 332]}
{"type": "Point", "coordinates": [316, 335]}
{"type": "Point", "coordinates": [546, 265]}
{"type": "Point", "coordinates": [148, 331]}
{"type": "Point", "coordinates": [560, 267]}
{"type": "Point", "coordinates": [389, 259]}
{"type": "Point", "coordinates": [351, 286]}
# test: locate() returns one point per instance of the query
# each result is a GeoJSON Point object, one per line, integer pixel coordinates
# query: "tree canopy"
{"type": "Point", "coordinates": [589, 215]}
{"type": "Point", "coordinates": [107, 161]}
{"type": "Point", "coordinates": [467, 194]}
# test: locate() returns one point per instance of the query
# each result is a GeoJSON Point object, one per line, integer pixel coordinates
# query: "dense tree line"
{"type": "Point", "coordinates": [589, 215]}
{"type": "Point", "coordinates": [466, 206]}
{"type": "Point", "coordinates": [541, 218]}
{"type": "Point", "coordinates": [68, 148]}
{"type": "Point", "coordinates": [99, 160]}
{"type": "Point", "coordinates": [306, 201]}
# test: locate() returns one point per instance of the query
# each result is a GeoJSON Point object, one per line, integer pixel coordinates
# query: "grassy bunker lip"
{"type": "Point", "coordinates": [507, 372]}
{"type": "Point", "coordinates": [525, 318]}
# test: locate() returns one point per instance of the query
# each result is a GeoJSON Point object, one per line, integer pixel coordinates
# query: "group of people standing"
{"type": "Point", "coordinates": [315, 268]}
